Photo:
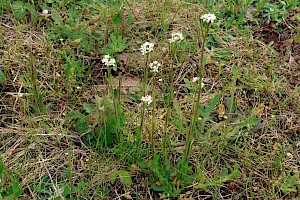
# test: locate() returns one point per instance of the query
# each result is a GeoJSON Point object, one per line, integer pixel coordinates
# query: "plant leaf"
{"type": "Point", "coordinates": [117, 18]}
{"type": "Point", "coordinates": [113, 177]}
{"type": "Point", "coordinates": [75, 115]}
{"type": "Point", "coordinates": [87, 107]}
{"type": "Point", "coordinates": [19, 9]}
{"type": "Point", "coordinates": [56, 17]}
{"type": "Point", "coordinates": [31, 9]}
{"type": "Point", "coordinates": [125, 177]}
{"type": "Point", "coordinates": [2, 78]}
{"type": "Point", "coordinates": [212, 105]}
{"type": "Point", "coordinates": [297, 38]}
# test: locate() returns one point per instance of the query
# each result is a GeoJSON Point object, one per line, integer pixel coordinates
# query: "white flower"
{"type": "Point", "coordinates": [289, 155]}
{"type": "Point", "coordinates": [108, 61]}
{"type": "Point", "coordinates": [176, 37]}
{"type": "Point", "coordinates": [195, 79]}
{"type": "Point", "coordinates": [45, 12]}
{"type": "Point", "coordinates": [155, 66]}
{"type": "Point", "coordinates": [209, 18]}
{"type": "Point", "coordinates": [147, 99]}
{"type": "Point", "coordinates": [160, 80]}
{"type": "Point", "coordinates": [146, 48]}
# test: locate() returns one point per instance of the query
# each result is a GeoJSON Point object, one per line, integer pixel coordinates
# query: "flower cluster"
{"type": "Point", "coordinates": [209, 18]}
{"type": "Point", "coordinates": [196, 79]}
{"type": "Point", "coordinates": [146, 48]}
{"type": "Point", "coordinates": [176, 37]}
{"type": "Point", "coordinates": [108, 61]}
{"type": "Point", "coordinates": [147, 99]}
{"type": "Point", "coordinates": [155, 66]}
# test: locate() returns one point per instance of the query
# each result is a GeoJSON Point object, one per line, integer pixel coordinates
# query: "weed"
{"type": "Point", "coordinates": [9, 186]}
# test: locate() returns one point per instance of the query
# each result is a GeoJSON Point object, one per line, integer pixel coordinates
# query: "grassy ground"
{"type": "Point", "coordinates": [68, 131]}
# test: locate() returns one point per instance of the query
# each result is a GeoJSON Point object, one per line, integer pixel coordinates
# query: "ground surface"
{"type": "Point", "coordinates": [55, 89]}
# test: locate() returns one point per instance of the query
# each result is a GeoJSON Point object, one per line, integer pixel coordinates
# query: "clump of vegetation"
{"type": "Point", "coordinates": [149, 100]}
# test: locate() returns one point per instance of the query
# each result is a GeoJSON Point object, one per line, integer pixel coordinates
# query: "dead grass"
{"type": "Point", "coordinates": [34, 147]}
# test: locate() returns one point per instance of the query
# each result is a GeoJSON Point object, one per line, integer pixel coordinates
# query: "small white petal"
{"type": "Point", "coordinates": [209, 18]}
{"type": "Point", "coordinates": [195, 79]}
{"type": "Point", "coordinates": [176, 37]}
{"type": "Point", "coordinates": [45, 12]}
{"type": "Point", "coordinates": [147, 99]}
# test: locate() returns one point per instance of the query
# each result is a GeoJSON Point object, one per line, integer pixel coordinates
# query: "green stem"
{"type": "Point", "coordinates": [144, 89]}
{"type": "Point", "coordinates": [164, 148]}
{"type": "Point", "coordinates": [111, 93]}
{"type": "Point", "coordinates": [153, 118]}
{"type": "Point", "coordinates": [119, 106]}
{"type": "Point", "coordinates": [191, 132]}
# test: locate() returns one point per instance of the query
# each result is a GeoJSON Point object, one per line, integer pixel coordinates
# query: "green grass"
{"type": "Point", "coordinates": [71, 128]}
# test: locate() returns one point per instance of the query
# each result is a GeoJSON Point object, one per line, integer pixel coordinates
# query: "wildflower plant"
{"type": "Point", "coordinates": [145, 49]}
{"type": "Point", "coordinates": [202, 33]}
{"type": "Point", "coordinates": [155, 69]}
{"type": "Point", "coordinates": [175, 38]}
{"type": "Point", "coordinates": [110, 62]}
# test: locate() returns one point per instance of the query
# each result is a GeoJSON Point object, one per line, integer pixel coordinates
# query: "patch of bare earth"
{"type": "Point", "coordinates": [288, 50]}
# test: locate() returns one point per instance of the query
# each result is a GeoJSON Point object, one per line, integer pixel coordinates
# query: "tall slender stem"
{"type": "Point", "coordinates": [112, 95]}
{"type": "Point", "coordinates": [106, 24]}
{"type": "Point", "coordinates": [118, 120]}
{"type": "Point", "coordinates": [144, 90]}
{"type": "Point", "coordinates": [169, 103]}
{"type": "Point", "coordinates": [153, 117]}
{"type": "Point", "coordinates": [191, 131]}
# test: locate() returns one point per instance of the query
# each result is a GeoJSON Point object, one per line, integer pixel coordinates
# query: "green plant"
{"type": "Point", "coordinates": [116, 44]}
{"type": "Point", "coordinates": [10, 188]}
{"type": "Point", "coordinates": [20, 8]}
{"type": "Point", "coordinates": [47, 188]}
{"type": "Point", "coordinates": [277, 11]}
{"type": "Point", "coordinates": [146, 48]}
{"type": "Point", "coordinates": [75, 71]}
{"type": "Point", "coordinates": [2, 76]}
{"type": "Point", "coordinates": [297, 35]}
{"type": "Point", "coordinates": [98, 125]}
{"type": "Point", "coordinates": [37, 94]}
{"type": "Point", "coordinates": [124, 177]}
{"type": "Point", "coordinates": [173, 48]}
{"type": "Point", "coordinates": [164, 177]}
{"type": "Point", "coordinates": [202, 34]}
{"type": "Point", "coordinates": [218, 180]}
{"type": "Point", "coordinates": [289, 184]}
